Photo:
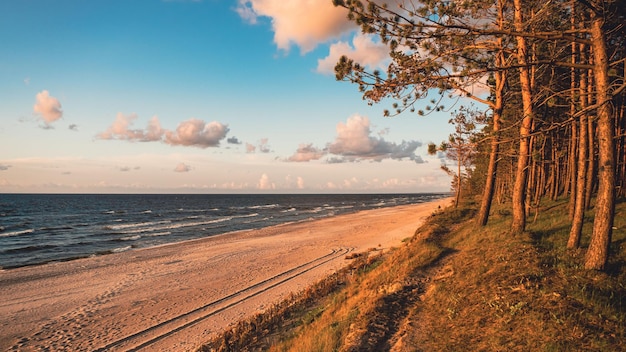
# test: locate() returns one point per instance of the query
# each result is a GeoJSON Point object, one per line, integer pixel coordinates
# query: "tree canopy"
{"type": "Point", "coordinates": [554, 71]}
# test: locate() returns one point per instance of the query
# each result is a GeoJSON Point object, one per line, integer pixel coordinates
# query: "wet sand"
{"type": "Point", "coordinates": [174, 297]}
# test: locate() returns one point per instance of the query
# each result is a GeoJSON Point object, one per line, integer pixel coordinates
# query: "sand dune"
{"type": "Point", "coordinates": [174, 297]}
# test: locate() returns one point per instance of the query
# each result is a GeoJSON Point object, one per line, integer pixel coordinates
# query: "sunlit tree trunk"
{"type": "Point", "coordinates": [598, 252]}
{"type": "Point", "coordinates": [591, 136]}
{"type": "Point", "coordinates": [521, 173]}
{"type": "Point", "coordinates": [574, 144]}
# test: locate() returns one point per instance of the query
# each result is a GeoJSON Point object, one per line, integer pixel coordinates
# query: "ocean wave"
{"type": "Point", "coordinates": [330, 207]}
{"type": "Point", "coordinates": [266, 206]}
{"type": "Point", "coordinates": [157, 234]}
{"type": "Point", "coordinates": [147, 227]}
{"type": "Point", "coordinates": [121, 249]}
{"type": "Point", "coordinates": [257, 220]}
{"type": "Point", "coordinates": [135, 225]}
{"type": "Point", "coordinates": [130, 238]}
{"type": "Point", "coordinates": [17, 233]}
{"type": "Point", "coordinates": [53, 228]}
{"type": "Point", "coordinates": [114, 212]}
{"type": "Point", "coordinates": [314, 210]}
{"type": "Point", "coordinates": [31, 248]}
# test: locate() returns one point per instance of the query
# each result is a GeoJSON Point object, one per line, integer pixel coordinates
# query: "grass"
{"type": "Point", "coordinates": [455, 287]}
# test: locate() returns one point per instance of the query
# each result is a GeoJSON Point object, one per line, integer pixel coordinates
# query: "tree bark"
{"type": "Point", "coordinates": [500, 78]}
{"type": "Point", "coordinates": [579, 207]}
{"type": "Point", "coordinates": [521, 173]}
{"type": "Point", "coordinates": [458, 182]}
{"type": "Point", "coordinates": [598, 252]}
{"type": "Point", "coordinates": [573, 168]}
{"type": "Point", "coordinates": [573, 153]}
{"type": "Point", "coordinates": [591, 132]}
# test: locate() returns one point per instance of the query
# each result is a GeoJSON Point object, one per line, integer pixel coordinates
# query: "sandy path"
{"type": "Point", "coordinates": [173, 297]}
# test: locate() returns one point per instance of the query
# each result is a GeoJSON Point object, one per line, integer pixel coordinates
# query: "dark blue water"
{"type": "Point", "coordinates": [41, 228]}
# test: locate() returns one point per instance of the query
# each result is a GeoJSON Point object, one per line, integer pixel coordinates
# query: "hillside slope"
{"type": "Point", "coordinates": [456, 287]}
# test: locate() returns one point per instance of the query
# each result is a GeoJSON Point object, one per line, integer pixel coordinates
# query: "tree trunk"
{"type": "Point", "coordinates": [621, 147]}
{"type": "Point", "coordinates": [521, 173]}
{"type": "Point", "coordinates": [598, 253]}
{"type": "Point", "coordinates": [572, 157]}
{"type": "Point", "coordinates": [458, 183]}
{"type": "Point", "coordinates": [579, 207]}
{"type": "Point", "coordinates": [487, 199]}
{"type": "Point", "coordinates": [541, 187]}
{"type": "Point", "coordinates": [553, 170]}
{"type": "Point", "coordinates": [591, 132]}
{"type": "Point", "coordinates": [492, 168]}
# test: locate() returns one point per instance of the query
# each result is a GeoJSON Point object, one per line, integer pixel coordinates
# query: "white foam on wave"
{"type": "Point", "coordinates": [267, 206]}
{"type": "Point", "coordinates": [330, 207]}
{"type": "Point", "coordinates": [131, 238]}
{"type": "Point", "coordinates": [156, 234]}
{"type": "Point", "coordinates": [314, 210]}
{"type": "Point", "coordinates": [135, 225]}
{"type": "Point", "coordinates": [121, 249]}
{"type": "Point", "coordinates": [17, 233]}
{"type": "Point", "coordinates": [164, 226]}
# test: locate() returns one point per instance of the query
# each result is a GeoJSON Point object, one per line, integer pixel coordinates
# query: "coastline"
{"type": "Point", "coordinates": [175, 296]}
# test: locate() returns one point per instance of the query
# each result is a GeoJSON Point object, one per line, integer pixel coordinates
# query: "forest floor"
{"type": "Point", "coordinates": [454, 286]}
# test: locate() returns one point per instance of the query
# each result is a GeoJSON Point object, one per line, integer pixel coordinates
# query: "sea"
{"type": "Point", "coordinates": [41, 228]}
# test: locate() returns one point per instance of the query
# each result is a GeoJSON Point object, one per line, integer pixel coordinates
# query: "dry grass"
{"type": "Point", "coordinates": [456, 287]}
{"type": "Point", "coordinates": [523, 293]}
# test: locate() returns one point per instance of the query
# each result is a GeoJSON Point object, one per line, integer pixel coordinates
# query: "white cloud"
{"type": "Point", "coordinates": [300, 182]}
{"type": "Point", "coordinates": [262, 146]}
{"type": "Point", "coordinates": [331, 185]}
{"type": "Point", "coordinates": [193, 132]}
{"type": "Point", "coordinates": [355, 141]}
{"type": "Point", "coordinates": [47, 107]}
{"type": "Point", "coordinates": [197, 133]}
{"type": "Point", "coordinates": [306, 152]}
{"type": "Point", "coordinates": [303, 23]}
{"type": "Point", "coordinates": [246, 12]}
{"type": "Point", "coordinates": [182, 167]}
{"type": "Point", "coordinates": [353, 138]}
{"type": "Point", "coordinates": [290, 182]}
{"type": "Point", "coordinates": [265, 183]}
{"type": "Point", "coordinates": [120, 129]}
{"type": "Point", "coordinates": [364, 50]}
{"type": "Point", "coordinates": [4, 167]}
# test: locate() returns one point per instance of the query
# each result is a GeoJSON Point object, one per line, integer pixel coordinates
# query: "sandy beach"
{"type": "Point", "coordinates": [174, 297]}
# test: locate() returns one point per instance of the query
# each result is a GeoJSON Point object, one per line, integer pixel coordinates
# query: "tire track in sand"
{"type": "Point", "coordinates": [170, 327]}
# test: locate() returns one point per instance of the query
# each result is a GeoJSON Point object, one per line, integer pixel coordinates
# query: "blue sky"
{"type": "Point", "coordinates": [205, 96]}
